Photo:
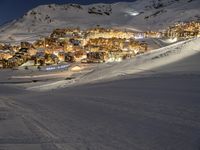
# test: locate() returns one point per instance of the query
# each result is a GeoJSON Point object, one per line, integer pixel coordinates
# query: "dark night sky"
{"type": "Point", "coordinates": [12, 9]}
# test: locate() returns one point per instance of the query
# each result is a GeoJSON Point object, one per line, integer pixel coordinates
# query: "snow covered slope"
{"type": "Point", "coordinates": [158, 112]}
{"type": "Point", "coordinates": [141, 66]}
{"type": "Point", "coordinates": [146, 63]}
{"type": "Point", "coordinates": [141, 14]}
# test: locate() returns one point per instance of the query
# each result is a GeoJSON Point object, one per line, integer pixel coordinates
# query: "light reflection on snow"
{"type": "Point", "coordinates": [132, 12]}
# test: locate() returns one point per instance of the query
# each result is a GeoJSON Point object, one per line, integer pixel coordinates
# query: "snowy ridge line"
{"type": "Point", "coordinates": [141, 15]}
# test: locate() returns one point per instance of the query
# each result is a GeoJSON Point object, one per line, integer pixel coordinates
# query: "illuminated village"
{"type": "Point", "coordinates": [96, 45]}
{"type": "Point", "coordinates": [73, 45]}
{"type": "Point", "coordinates": [183, 30]}
{"type": "Point", "coordinates": [100, 75]}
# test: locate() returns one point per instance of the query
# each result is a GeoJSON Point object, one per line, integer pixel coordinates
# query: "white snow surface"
{"type": "Point", "coordinates": [156, 109]}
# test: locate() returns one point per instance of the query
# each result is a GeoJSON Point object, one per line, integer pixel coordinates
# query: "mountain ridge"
{"type": "Point", "coordinates": [140, 14]}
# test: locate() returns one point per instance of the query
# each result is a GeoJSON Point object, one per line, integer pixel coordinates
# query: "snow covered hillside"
{"type": "Point", "coordinates": [141, 66]}
{"type": "Point", "coordinates": [141, 14]}
{"type": "Point", "coordinates": [158, 112]}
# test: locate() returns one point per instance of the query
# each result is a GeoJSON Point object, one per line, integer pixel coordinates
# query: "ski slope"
{"type": "Point", "coordinates": [157, 111]}
{"type": "Point", "coordinates": [150, 102]}
{"type": "Point", "coordinates": [142, 65]}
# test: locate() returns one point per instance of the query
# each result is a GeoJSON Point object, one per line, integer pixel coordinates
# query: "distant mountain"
{"type": "Point", "coordinates": [141, 14]}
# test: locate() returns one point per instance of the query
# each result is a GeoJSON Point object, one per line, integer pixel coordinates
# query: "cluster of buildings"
{"type": "Point", "coordinates": [93, 45]}
{"type": "Point", "coordinates": [116, 49]}
{"type": "Point", "coordinates": [73, 45]}
{"type": "Point", "coordinates": [183, 30]}
{"type": "Point", "coordinates": [109, 33]}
